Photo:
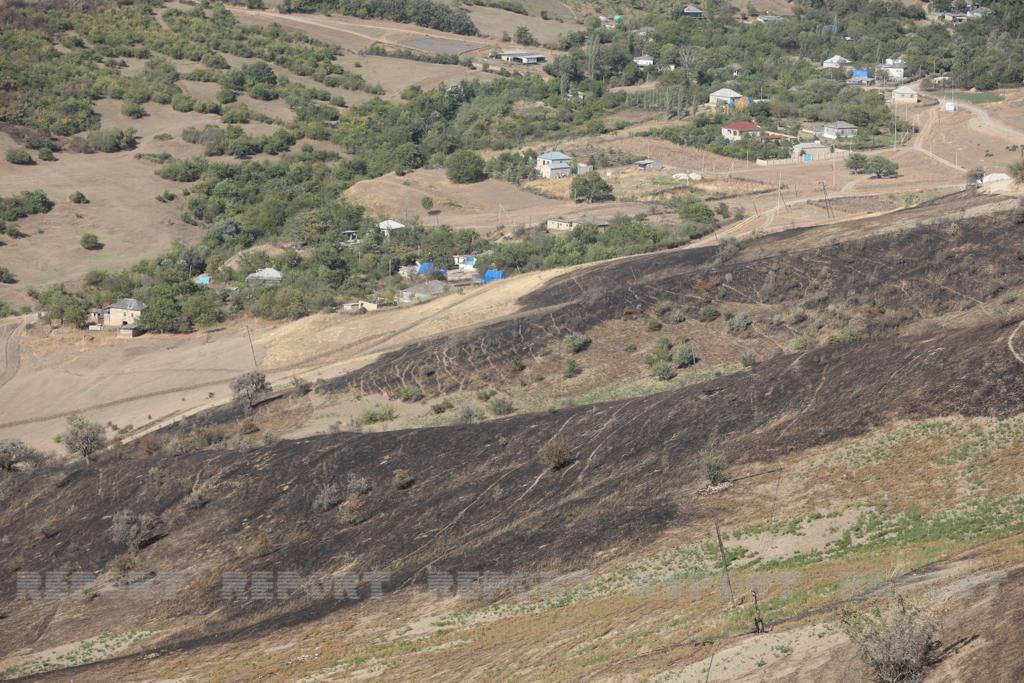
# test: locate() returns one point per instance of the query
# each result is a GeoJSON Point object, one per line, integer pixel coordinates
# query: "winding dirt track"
{"type": "Point", "coordinates": [10, 351]}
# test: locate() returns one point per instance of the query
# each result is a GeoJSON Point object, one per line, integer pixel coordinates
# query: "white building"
{"type": "Point", "coordinates": [725, 97]}
{"type": "Point", "coordinates": [836, 62]}
{"type": "Point", "coordinates": [388, 226]}
{"type": "Point", "coordinates": [839, 129]}
{"type": "Point", "coordinates": [521, 57]}
{"type": "Point", "coordinates": [893, 70]}
{"type": "Point", "coordinates": [809, 151]}
{"type": "Point", "coordinates": [644, 60]}
{"type": "Point", "coordinates": [904, 94]}
{"type": "Point", "coordinates": [264, 276]}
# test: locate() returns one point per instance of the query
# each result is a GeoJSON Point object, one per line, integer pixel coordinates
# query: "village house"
{"type": "Point", "coordinates": [978, 12]}
{"type": "Point", "coordinates": [388, 226]}
{"type": "Point", "coordinates": [264, 276]}
{"type": "Point", "coordinates": [424, 291]}
{"type": "Point", "coordinates": [809, 151]}
{"type": "Point", "coordinates": [521, 57]}
{"type": "Point", "coordinates": [465, 262]}
{"type": "Point", "coordinates": [463, 278]}
{"type": "Point", "coordinates": [554, 165]}
{"type": "Point", "coordinates": [644, 60]}
{"type": "Point", "coordinates": [122, 316]}
{"type": "Point", "coordinates": [892, 70]}
{"type": "Point", "coordinates": [724, 97]}
{"type": "Point", "coordinates": [904, 94]}
{"type": "Point", "coordinates": [567, 224]}
{"type": "Point", "coordinates": [693, 12]}
{"type": "Point", "coordinates": [837, 130]}
{"type": "Point", "coordinates": [769, 18]}
{"type": "Point", "coordinates": [739, 130]}
{"type": "Point", "coordinates": [861, 77]}
{"type": "Point", "coordinates": [646, 165]}
{"type": "Point", "coordinates": [836, 62]}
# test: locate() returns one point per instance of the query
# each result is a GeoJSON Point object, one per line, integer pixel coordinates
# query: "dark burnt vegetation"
{"type": "Point", "coordinates": [843, 292]}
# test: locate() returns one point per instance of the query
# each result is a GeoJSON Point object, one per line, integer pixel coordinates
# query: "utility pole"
{"type": "Point", "coordinates": [758, 621]}
{"type": "Point", "coordinates": [725, 565]}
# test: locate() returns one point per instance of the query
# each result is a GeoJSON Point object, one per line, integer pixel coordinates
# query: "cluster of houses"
{"type": "Point", "coordinates": [892, 70]}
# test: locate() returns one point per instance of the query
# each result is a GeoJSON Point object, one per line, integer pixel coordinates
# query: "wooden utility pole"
{"type": "Point", "coordinates": [758, 621]}
{"type": "Point", "coordinates": [725, 566]}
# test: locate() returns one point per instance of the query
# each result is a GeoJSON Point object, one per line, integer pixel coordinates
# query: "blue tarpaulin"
{"type": "Point", "coordinates": [425, 268]}
{"type": "Point", "coordinates": [492, 275]}
{"type": "Point", "coordinates": [861, 73]}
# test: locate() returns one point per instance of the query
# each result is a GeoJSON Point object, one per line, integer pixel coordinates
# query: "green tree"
{"type": "Point", "coordinates": [590, 187]}
{"type": "Point", "coordinates": [90, 241]}
{"type": "Point", "coordinates": [162, 314]}
{"type": "Point", "coordinates": [78, 198]}
{"type": "Point", "coordinates": [6, 277]}
{"type": "Point", "coordinates": [1016, 171]}
{"type": "Point", "coordinates": [427, 203]}
{"type": "Point", "coordinates": [857, 163]}
{"type": "Point", "coordinates": [83, 438]}
{"type": "Point", "coordinates": [524, 37]}
{"type": "Point", "coordinates": [880, 167]}
{"type": "Point", "coordinates": [465, 167]}
{"type": "Point", "coordinates": [60, 305]}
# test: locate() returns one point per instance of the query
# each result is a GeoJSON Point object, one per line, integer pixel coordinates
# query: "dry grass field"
{"type": "Point", "coordinates": [395, 75]}
{"type": "Point", "coordinates": [493, 22]}
{"type": "Point", "coordinates": [487, 206]}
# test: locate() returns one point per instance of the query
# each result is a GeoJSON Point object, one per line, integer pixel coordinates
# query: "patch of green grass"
{"type": "Point", "coordinates": [976, 97]}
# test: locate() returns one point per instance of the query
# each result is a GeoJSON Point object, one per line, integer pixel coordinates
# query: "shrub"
{"type": "Point", "coordinates": [653, 325]}
{"type": "Point", "coordinates": [357, 486]}
{"type": "Point", "coordinates": [499, 405]}
{"type": "Point", "coordinates": [801, 343]}
{"type": "Point", "coordinates": [683, 356]}
{"type": "Point", "coordinates": [465, 166]}
{"type": "Point", "coordinates": [6, 276]}
{"type": "Point", "coordinates": [707, 313]}
{"type": "Point", "coordinates": [411, 393]}
{"type": "Point", "coordinates": [894, 640]}
{"type": "Point", "coordinates": [442, 407]}
{"type": "Point", "coordinates": [327, 496]}
{"type": "Point", "coordinates": [749, 358]}
{"type": "Point", "coordinates": [402, 480]}
{"type": "Point", "coordinates": [16, 454]}
{"type": "Point", "coordinates": [110, 140]}
{"type": "Point", "coordinates": [378, 414]}
{"type": "Point", "coordinates": [714, 467]}
{"type": "Point", "coordinates": [78, 198]}
{"type": "Point", "coordinates": [486, 394]}
{"type": "Point", "coordinates": [577, 342]}
{"type": "Point", "coordinates": [844, 336]}
{"type": "Point", "coordinates": [19, 156]}
{"type": "Point", "coordinates": [131, 529]}
{"type": "Point", "coordinates": [133, 110]}
{"type": "Point", "coordinates": [556, 453]}
{"type": "Point", "coordinates": [249, 386]}
{"type": "Point", "coordinates": [738, 323]}
{"type": "Point", "coordinates": [728, 249]}
{"type": "Point", "coordinates": [662, 351]}
{"type": "Point", "coordinates": [663, 370]}
{"type": "Point", "coordinates": [83, 438]}
{"type": "Point", "coordinates": [571, 368]}
{"type": "Point", "coordinates": [91, 242]}
{"type": "Point", "coordinates": [46, 154]}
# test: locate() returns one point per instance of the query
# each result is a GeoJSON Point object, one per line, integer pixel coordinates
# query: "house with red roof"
{"type": "Point", "coordinates": [739, 130]}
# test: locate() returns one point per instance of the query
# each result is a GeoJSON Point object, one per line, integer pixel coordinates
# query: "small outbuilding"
{"type": "Point", "coordinates": [809, 151]}
{"type": "Point", "coordinates": [389, 226]}
{"type": "Point", "coordinates": [644, 60]}
{"type": "Point", "coordinates": [646, 165]}
{"type": "Point", "coordinates": [839, 129]}
{"type": "Point", "coordinates": [904, 94]}
{"type": "Point", "coordinates": [264, 276]}
{"type": "Point", "coordinates": [521, 57]}
{"type": "Point", "coordinates": [725, 97]}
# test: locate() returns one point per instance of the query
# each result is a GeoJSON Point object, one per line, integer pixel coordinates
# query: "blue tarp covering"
{"type": "Point", "coordinates": [492, 275]}
{"type": "Point", "coordinates": [202, 280]}
{"type": "Point", "coordinates": [471, 260]}
{"type": "Point", "coordinates": [425, 268]}
{"type": "Point", "coordinates": [861, 73]}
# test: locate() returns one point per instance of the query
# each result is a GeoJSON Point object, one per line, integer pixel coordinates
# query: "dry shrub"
{"type": "Point", "coordinates": [556, 453]}
{"type": "Point", "coordinates": [894, 640]}
{"type": "Point", "coordinates": [402, 479]}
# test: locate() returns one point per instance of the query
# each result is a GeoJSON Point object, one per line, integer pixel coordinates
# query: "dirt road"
{"type": "Point", "coordinates": [10, 350]}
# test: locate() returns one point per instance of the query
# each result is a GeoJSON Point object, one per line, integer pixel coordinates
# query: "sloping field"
{"type": "Point", "coordinates": [395, 75]}
{"type": "Point", "coordinates": [358, 34]}
{"type": "Point", "coordinates": [493, 22]}
{"type": "Point", "coordinates": [488, 206]}
{"type": "Point", "coordinates": [481, 501]}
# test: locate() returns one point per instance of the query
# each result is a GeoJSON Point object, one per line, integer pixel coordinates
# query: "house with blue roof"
{"type": "Point", "coordinates": [554, 165]}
